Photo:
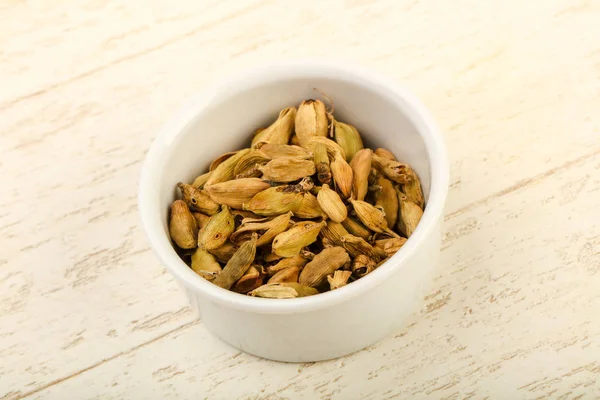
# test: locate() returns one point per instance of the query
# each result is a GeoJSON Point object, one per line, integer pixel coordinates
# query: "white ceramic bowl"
{"type": "Point", "coordinates": [221, 119]}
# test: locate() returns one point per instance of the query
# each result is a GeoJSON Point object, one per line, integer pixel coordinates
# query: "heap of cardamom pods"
{"type": "Point", "coordinates": [298, 213]}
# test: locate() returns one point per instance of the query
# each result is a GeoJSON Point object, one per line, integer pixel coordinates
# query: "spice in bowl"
{"type": "Point", "coordinates": [305, 209]}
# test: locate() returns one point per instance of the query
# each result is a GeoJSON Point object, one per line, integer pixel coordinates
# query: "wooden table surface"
{"type": "Point", "coordinates": [86, 309]}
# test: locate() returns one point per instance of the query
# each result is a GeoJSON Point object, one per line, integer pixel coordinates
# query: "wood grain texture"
{"type": "Point", "coordinates": [86, 308]}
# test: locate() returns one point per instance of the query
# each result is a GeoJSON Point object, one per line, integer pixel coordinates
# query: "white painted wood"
{"type": "Point", "coordinates": [84, 85]}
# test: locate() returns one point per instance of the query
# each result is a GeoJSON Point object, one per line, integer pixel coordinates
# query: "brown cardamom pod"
{"type": "Point", "coordinates": [236, 192]}
{"type": "Point", "coordinates": [205, 265]}
{"type": "Point", "coordinates": [387, 199]}
{"type": "Point", "coordinates": [287, 169]}
{"type": "Point", "coordinates": [324, 263]}
{"type": "Point", "coordinates": [311, 120]}
{"type": "Point", "coordinates": [300, 235]}
{"type": "Point", "coordinates": [361, 168]}
{"type": "Point", "coordinates": [342, 176]}
{"type": "Point", "coordinates": [225, 170]}
{"type": "Point", "coordinates": [278, 132]}
{"type": "Point", "coordinates": [372, 217]}
{"type": "Point", "coordinates": [348, 138]}
{"type": "Point", "coordinates": [237, 266]}
{"type": "Point", "coordinates": [198, 200]}
{"type": "Point", "coordinates": [183, 227]}
{"type": "Point", "coordinates": [217, 230]}
{"type": "Point", "coordinates": [409, 216]}
{"type": "Point", "coordinates": [332, 204]}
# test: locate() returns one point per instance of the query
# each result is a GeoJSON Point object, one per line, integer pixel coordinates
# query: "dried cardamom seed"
{"type": "Point", "coordinates": [224, 171]}
{"type": "Point", "coordinates": [393, 170]}
{"type": "Point", "coordinates": [236, 192]}
{"type": "Point", "coordinates": [342, 175]}
{"type": "Point", "coordinates": [297, 261]}
{"type": "Point", "coordinates": [311, 120]}
{"type": "Point", "coordinates": [247, 166]}
{"type": "Point", "coordinates": [200, 180]}
{"type": "Point", "coordinates": [219, 160]}
{"type": "Point", "coordinates": [225, 252]}
{"type": "Point", "coordinates": [387, 199]}
{"type": "Point", "coordinates": [361, 168]}
{"type": "Point", "coordinates": [183, 227]}
{"type": "Point", "coordinates": [372, 217]}
{"type": "Point", "coordinates": [412, 189]}
{"type": "Point", "coordinates": [332, 204]}
{"type": "Point", "coordinates": [201, 219]}
{"type": "Point", "coordinates": [274, 151]}
{"type": "Point", "coordinates": [324, 263]}
{"type": "Point", "coordinates": [270, 229]}
{"type": "Point", "coordinates": [205, 265]}
{"type": "Point", "coordinates": [333, 232]}
{"type": "Point", "coordinates": [198, 200]}
{"type": "Point", "coordinates": [285, 275]}
{"type": "Point", "coordinates": [309, 208]}
{"type": "Point", "coordinates": [278, 132]}
{"type": "Point", "coordinates": [362, 265]}
{"type": "Point", "coordinates": [357, 246]}
{"type": "Point", "coordinates": [390, 245]}
{"type": "Point", "coordinates": [356, 228]}
{"type": "Point", "coordinates": [217, 230]}
{"type": "Point", "coordinates": [249, 281]}
{"type": "Point", "coordinates": [237, 266]}
{"type": "Point", "coordinates": [338, 279]}
{"type": "Point", "coordinates": [333, 149]}
{"type": "Point", "coordinates": [322, 162]}
{"type": "Point", "coordinates": [275, 201]}
{"type": "Point", "coordinates": [348, 138]}
{"type": "Point", "coordinates": [287, 169]}
{"type": "Point", "coordinates": [301, 234]}
{"type": "Point", "coordinates": [409, 216]}
{"type": "Point", "coordinates": [283, 290]}
{"type": "Point", "coordinates": [384, 153]}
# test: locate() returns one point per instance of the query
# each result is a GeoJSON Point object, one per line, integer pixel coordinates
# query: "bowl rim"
{"type": "Point", "coordinates": [407, 102]}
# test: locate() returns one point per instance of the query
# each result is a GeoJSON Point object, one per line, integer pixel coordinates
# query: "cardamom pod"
{"type": "Point", "coordinates": [217, 230]}
{"type": "Point", "coordinates": [225, 252]}
{"type": "Point", "coordinates": [362, 265]}
{"type": "Point", "coordinates": [294, 141]}
{"type": "Point", "coordinates": [287, 169]}
{"type": "Point", "coordinates": [356, 228]}
{"type": "Point", "coordinates": [275, 201]}
{"type": "Point", "coordinates": [324, 263]}
{"type": "Point", "coordinates": [333, 232]}
{"type": "Point", "coordinates": [372, 217]}
{"type": "Point", "coordinates": [361, 168]}
{"type": "Point", "coordinates": [348, 138]}
{"type": "Point", "coordinates": [200, 180]}
{"type": "Point", "coordinates": [321, 160]}
{"type": "Point", "coordinates": [236, 192]}
{"type": "Point", "coordinates": [297, 261]}
{"type": "Point", "coordinates": [338, 279]}
{"type": "Point", "coordinates": [410, 215]}
{"type": "Point", "coordinates": [219, 160]}
{"type": "Point", "coordinates": [198, 200]}
{"type": "Point", "coordinates": [224, 171]}
{"type": "Point", "coordinates": [309, 208]}
{"type": "Point", "coordinates": [183, 227]}
{"type": "Point", "coordinates": [387, 199]}
{"type": "Point", "coordinates": [311, 120]}
{"type": "Point", "coordinates": [205, 265]}
{"type": "Point", "coordinates": [390, 245]}
{"type": "Point", "coordinates": [393, 170]}
{"type": "Point", "coordinates": [247, 166]}
{"type": "Point", "coordinates": [249, 281]}
{"type": "Point", "coordinates": [343, 175]}
{"type": "Point", "coordinates": [357, 246]}
{"type": "Point", "coordinates": [412, 189]}
{"type": "Point", "coordinates": [274, 151]}
{"type": "Point", "coordinates": [333, 149]}
{"type": "Point", "coordinates": [301, 234]}
{"type": "Point", "coordinates": [285, 275]}
{"type": "Point", "coordinates": [270, 229]}
{"type": "Point", "coordinates": [283, 290]}
{"type": "Point", "coordinates": [384, 153]}
{"type": "Point", "coordinates": [201, 219]}
{"type": "Point", "coordinates": [332, 204]}
{"type": "Point", "coordinates": [278, 132]}
{"type": "Point", "coordinates": [237, 266]}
